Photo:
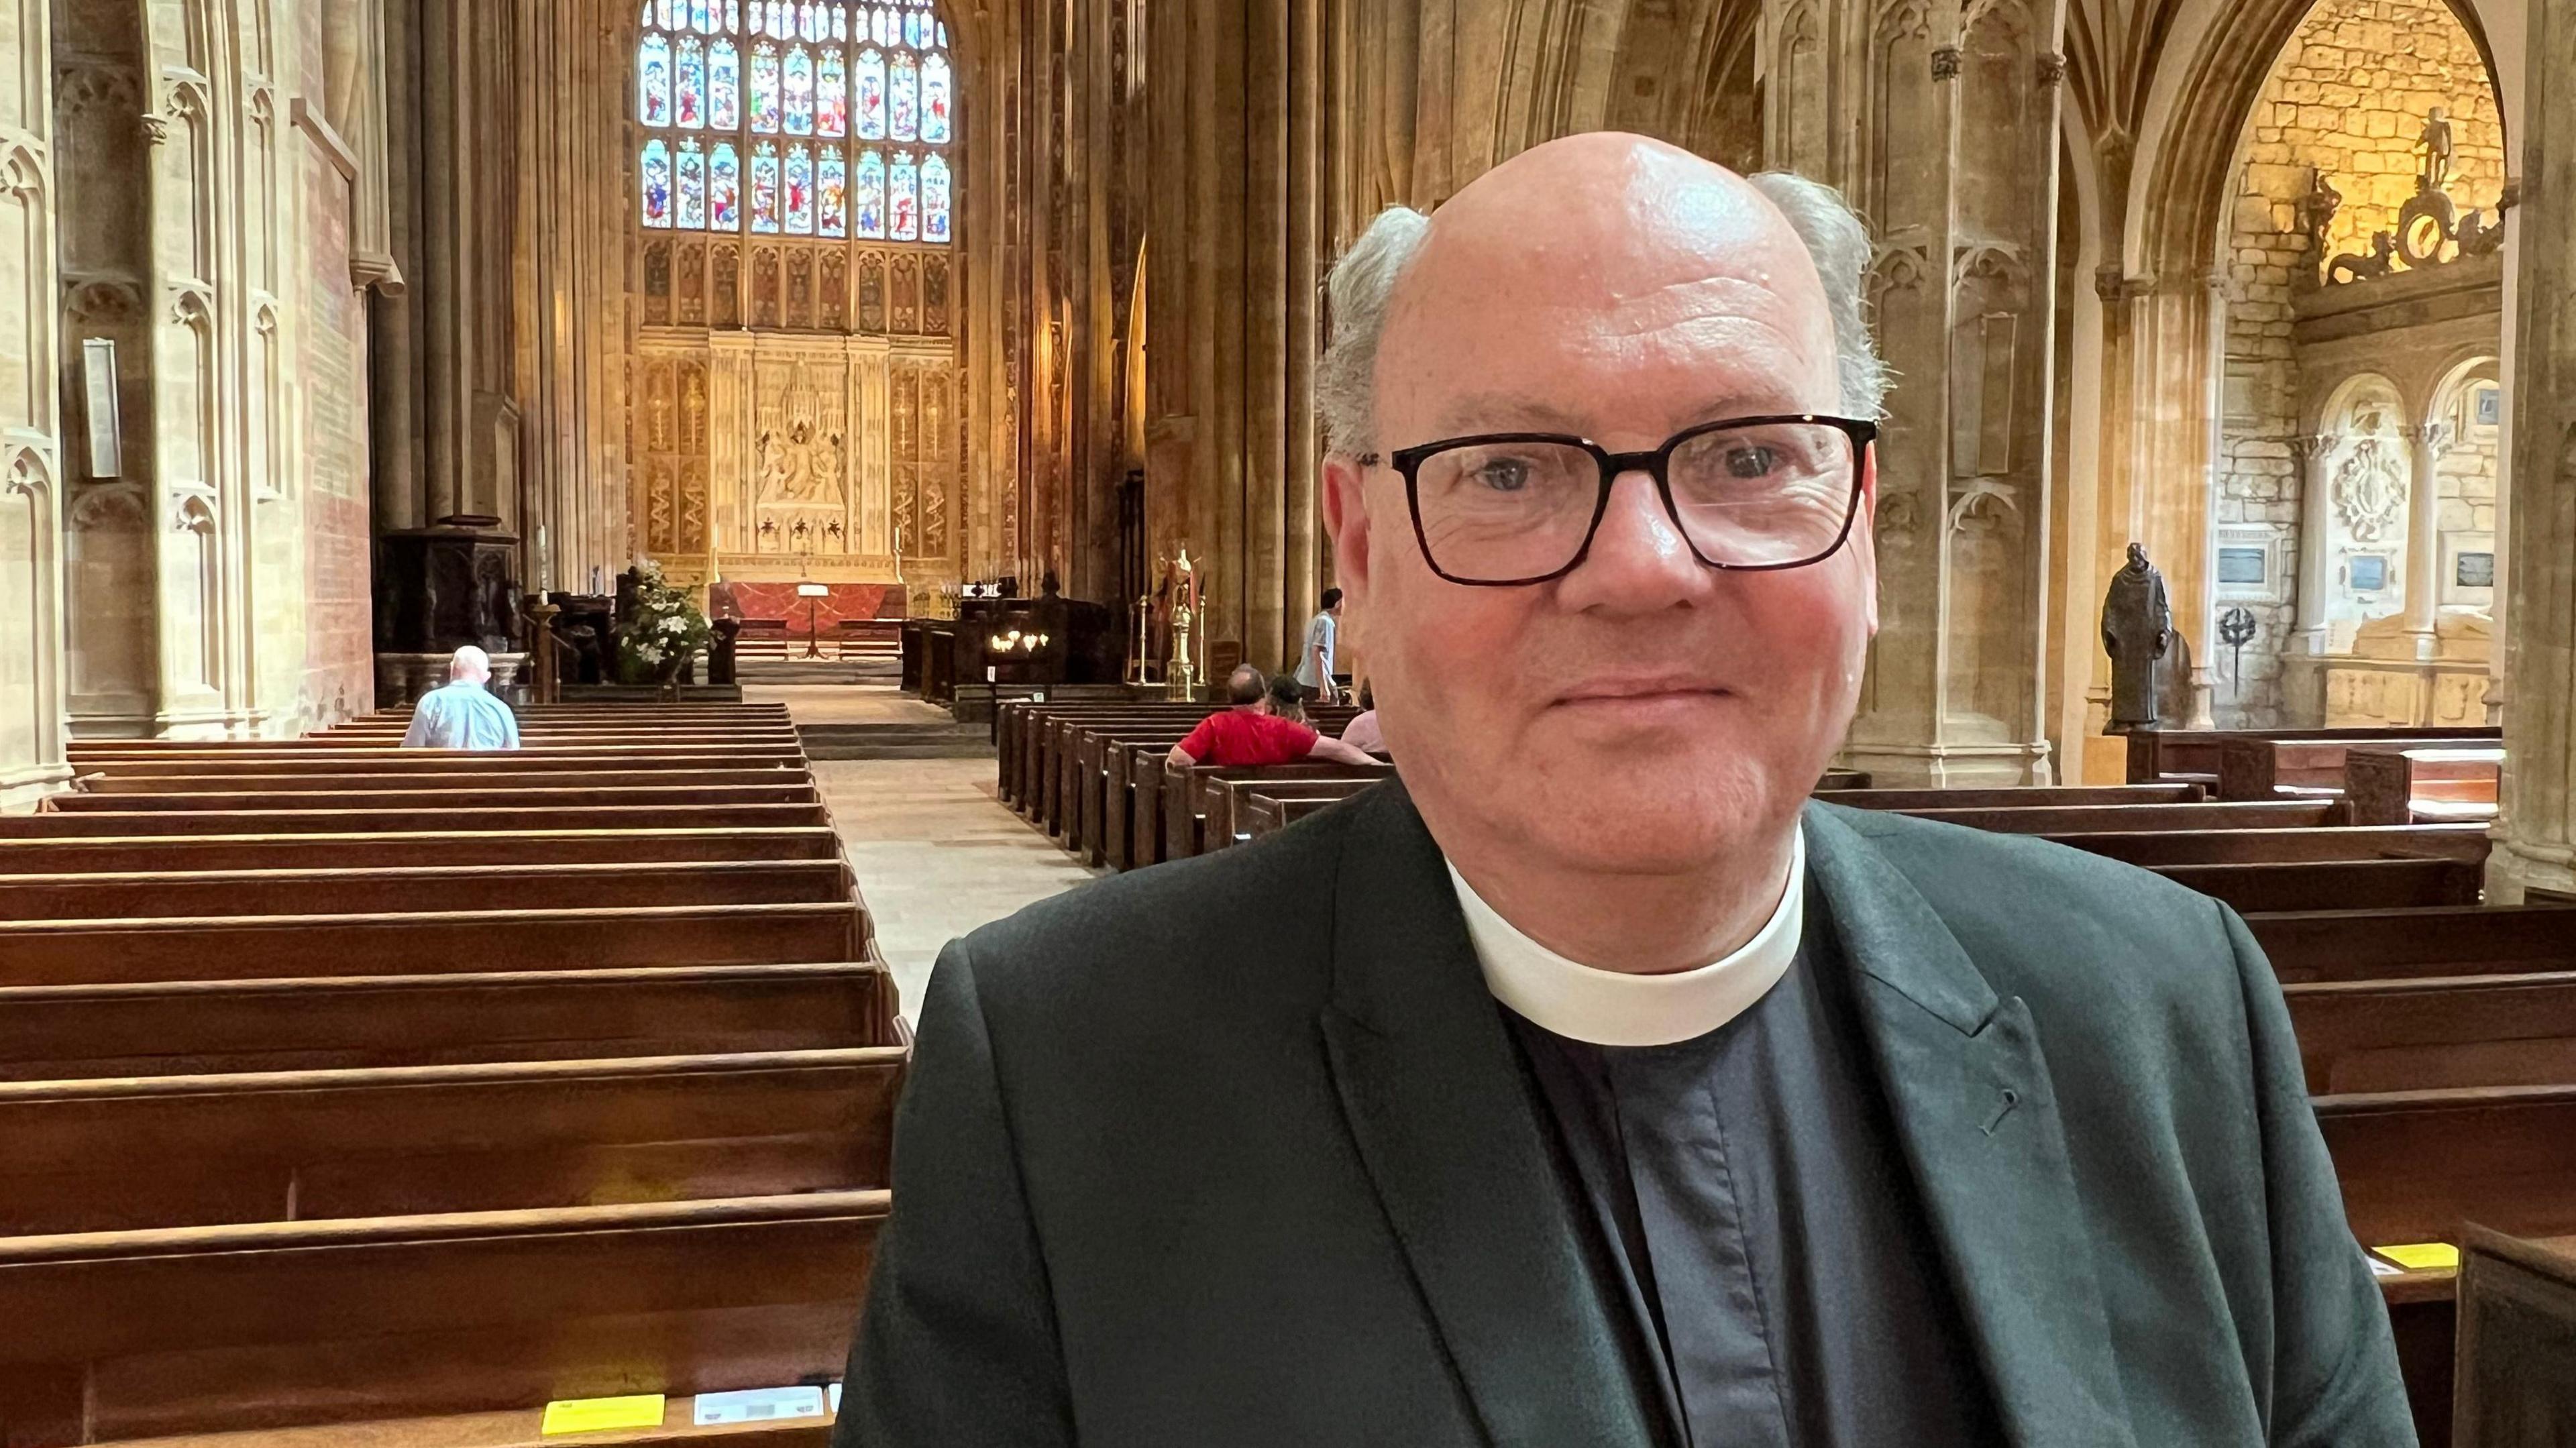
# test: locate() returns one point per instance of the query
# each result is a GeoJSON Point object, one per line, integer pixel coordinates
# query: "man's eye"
{"type": "Point", "coordinates": [1750, 462]}
{"type": "Point", "coordinates": [1503, 475]}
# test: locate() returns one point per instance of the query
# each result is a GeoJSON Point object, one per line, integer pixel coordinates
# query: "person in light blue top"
{"type": "Point", "coordinates": [463, 714]}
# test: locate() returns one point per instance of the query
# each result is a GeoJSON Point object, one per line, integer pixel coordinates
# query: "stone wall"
{"type": "Point", "coordinates": [2348, 99]}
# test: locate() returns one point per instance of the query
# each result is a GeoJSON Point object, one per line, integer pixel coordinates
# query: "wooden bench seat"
{"type": "Point", "coordinates": [1190, 800]}
{"type": "Point", "coordinates": [2396, 944]}
{"type": "Point", "coordinates": [324, 849]}
{"type": "Point", "coordinates": [250, 1327]}
{"type": "Point", "coordinates": [193, 1151]}
{"type": "Point", "coordinates": [1251, 807]}
{"type": "Point", "coordinates": [2414, 1165]}
{"type": "Point", "coordinates": [328, 1023]}
{"type": "Point", "coordinates": [64, 823]}
{"type": "Point", "coordinates": [2158, 755]}
{"type": "Point", "coordinates": [2458, 1031]}
{"type": "Point", "coordinates": [105, 952]}
{"type": "Point", "coordinates": [95, 896]}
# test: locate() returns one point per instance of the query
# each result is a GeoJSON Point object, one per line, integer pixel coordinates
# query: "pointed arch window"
{"type": "Point", "coordinates": [804, 118]}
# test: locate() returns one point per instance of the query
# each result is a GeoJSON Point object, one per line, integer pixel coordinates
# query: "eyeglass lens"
{"type": "Point", "coordinates": [1766, 494]}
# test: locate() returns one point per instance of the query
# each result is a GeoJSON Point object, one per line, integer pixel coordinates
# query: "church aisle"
{"type": "Point", "coordinates": [936, 854]}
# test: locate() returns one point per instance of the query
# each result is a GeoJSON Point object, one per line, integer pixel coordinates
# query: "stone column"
{"type": "Point", "coordinates": [32, 723]}
{"type": "Point", "coordinates": [1955, 165]}
{"type": "Point", "coordinates": [2536, 835]}
{"type": "Point", "coordinates": [2316, 514]}
{"type": "Point", "coordinates": [2424, 532]}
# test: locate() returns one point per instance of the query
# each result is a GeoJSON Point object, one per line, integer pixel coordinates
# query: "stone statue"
{"type": "Point", "coordinates": [2137, 629]}
{"type": "Point", "coordinates": [2356, 267]}
{"type": "Point", "coordinates": [1180, 674]}
{"type": "Point", "coordinates": [2436, 141]}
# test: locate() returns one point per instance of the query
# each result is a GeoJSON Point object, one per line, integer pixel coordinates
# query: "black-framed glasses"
{"type": "Point", "coordinates": [1507, 508]}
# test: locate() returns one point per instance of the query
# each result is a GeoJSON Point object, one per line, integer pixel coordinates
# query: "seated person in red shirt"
{"type": "Point", "coordinates": [1248, 734]}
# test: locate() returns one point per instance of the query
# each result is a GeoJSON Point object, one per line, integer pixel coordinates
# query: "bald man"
{"type": "Point", "coordinates": [1620, 1095]}
{"type": "Point", "coordinates": [463, 713]}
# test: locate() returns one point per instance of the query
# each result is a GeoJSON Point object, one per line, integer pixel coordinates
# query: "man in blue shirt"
{"type": "Point", "coordinates": [464, 714]}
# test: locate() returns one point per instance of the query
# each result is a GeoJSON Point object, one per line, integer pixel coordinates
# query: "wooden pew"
{"type": "Point", "coordinates": [388, 889]}
{"type": "Point", "coordinates": [2192, 755]}
{"type": "Point", "coordinates": [2456, 1031]}
{"type": "Point", "coordinates": [2329, 884]}
{"type": "Point", "coordinates": [2517, 1317]}
{"type": "Point", "coordinates": [2403, 786]}
{"type": "Point", "coordinates": [2395, 944]}
{"type": "Point", "coordinates": [1189, 801]}
{"type": "Point", "coordinates": [448, 777]}
{"type": "Point", "coordinates": [2416, 1164]}
{"type": "Point", "coordinates": [2017, 797]}
{"type": "Point", "coordinates": [178, 1028]}
{"type": "Point", "coordinates": [2074, 819]}
{"type": "Point", "coordinates": [260, 1327]}
{"type": "Point", "coordinates": [107, 952]}
{"type": "Point", "coordinates": [1081, 780]}
{"type": "Point", "coordinates": [194, 1151]}
{"type": "Point", "coordinates": [66, 823]}
{"type": "Point", "coordinates": [1103, 767]}
{"type": "Point", "coordinates": [445, 796]}
{"type": "Point", "coordinates": [2323, 842]}
{"type": "Point", "coordinates": [1253, 807]}
{"type": "Point", "coordinates": [431, 847]}
{"type": "Point", "coordinates": [2270, 768]}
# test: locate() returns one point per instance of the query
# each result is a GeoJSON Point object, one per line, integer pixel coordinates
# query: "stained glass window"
{"type": "Point", "coordinates": [934, 197]}
{"type": "Point", "coordinates": [872, 96]}
{"type": "Point", "coordinates": [849, 76]}
{"type": "Point", "coordinates": [690, 89]}
{"type": "Point", "coordinates": [903, 199]}
{"type": "Point", "coordinates": [800, 92]}
{"type": "Point", "coordinates": [657, 184]}
{"type": "Point", "coordinates": [934, 98]}
{"type": "Point", "coordinates": [764, 187]}
{"type": "Point", "coordinates": [764, 89]}
{"type": "Point", "coordinates": [867, 199]}
{"type": "Point", "coordinates": [724, 189]}
{"type": "Point", "coordinates": [693, 187]}
{"type": "Point", "coordinates": [832, 194]}
{"type": "Point", "coordinates": [903, 97]}
{"type": "Point", "coordinates": [653, 81]}
{"type": "Point", "coordinates": [832, 96]}
{"type": "Point", "coordinates": [724, 87]}
{"type": "Point", "coordinates": [800, 191]}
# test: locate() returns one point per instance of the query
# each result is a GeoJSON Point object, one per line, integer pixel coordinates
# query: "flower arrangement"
{"type": "Point", "coordinates": [665, 631]}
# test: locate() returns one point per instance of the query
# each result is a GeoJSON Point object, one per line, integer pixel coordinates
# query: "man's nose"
{"type": "Point", "coordinates": [1639, 561]}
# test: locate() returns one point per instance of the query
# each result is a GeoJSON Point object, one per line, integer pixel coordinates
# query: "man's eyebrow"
{"type": "Point", "coordinates": [1514, 412]}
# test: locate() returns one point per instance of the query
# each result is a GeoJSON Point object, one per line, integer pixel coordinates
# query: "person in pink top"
{"type": "Point", "coordinates": [1248, 734]}
{"type": "Point", "coordinates": [1362, 733]}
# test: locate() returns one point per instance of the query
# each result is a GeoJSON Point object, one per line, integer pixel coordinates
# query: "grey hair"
{"type": "Point", "coordinates": [1362, 289]}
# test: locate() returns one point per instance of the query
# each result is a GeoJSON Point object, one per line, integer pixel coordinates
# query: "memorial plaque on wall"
{"type": "Point", "coordinates": [2473, 570]}
{"type": "Point", "coordinates": [2369, 573]}
{"type": "Point", "coordinates": [98, 378]}
{"type": "Point", "coordinates": [2240, 565]}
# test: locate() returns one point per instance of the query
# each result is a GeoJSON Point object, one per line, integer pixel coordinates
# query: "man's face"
{"type": "Point", "coordinates": [1644, 713]}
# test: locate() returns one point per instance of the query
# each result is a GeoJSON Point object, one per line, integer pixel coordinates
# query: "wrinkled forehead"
{"type": "Point", "coordinates": [1646, 310]}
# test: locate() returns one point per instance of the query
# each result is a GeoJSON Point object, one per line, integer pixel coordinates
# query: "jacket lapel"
{"type": "Point", "coordinates": [1969, 1090]}
{"type": "Point", "coordinates": [1452, 1141]}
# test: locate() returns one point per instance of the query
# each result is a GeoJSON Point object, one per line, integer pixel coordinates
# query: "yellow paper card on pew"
{"type": "Point", "coordinates": [598, 1415]}
{"type": "Point", "coordinates": [2422, 1256]}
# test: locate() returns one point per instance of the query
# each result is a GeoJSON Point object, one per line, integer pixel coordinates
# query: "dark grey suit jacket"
{"type": "Point", "coordinates": [1236, 1151]}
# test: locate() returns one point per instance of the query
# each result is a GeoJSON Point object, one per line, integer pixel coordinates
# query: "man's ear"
{"type": "Point", "coordinates": [1346, 521]}
{"type": "Point", "coordinates": [1865, 533]}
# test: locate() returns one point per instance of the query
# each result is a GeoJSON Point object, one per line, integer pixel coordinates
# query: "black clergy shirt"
{"type": "Point", "coordinates": [1758, 1220]}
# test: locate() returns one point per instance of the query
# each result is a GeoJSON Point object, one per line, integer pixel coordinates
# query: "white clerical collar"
{"type": "Point", "coordinates": [1612, 1008]}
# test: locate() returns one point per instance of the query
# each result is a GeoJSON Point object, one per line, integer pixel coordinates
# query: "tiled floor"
{"type": "Point", "coordinates": [936, 853]}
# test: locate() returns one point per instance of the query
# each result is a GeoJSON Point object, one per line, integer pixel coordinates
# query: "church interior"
{"type": "Point", "coordinates": [943, 375]}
